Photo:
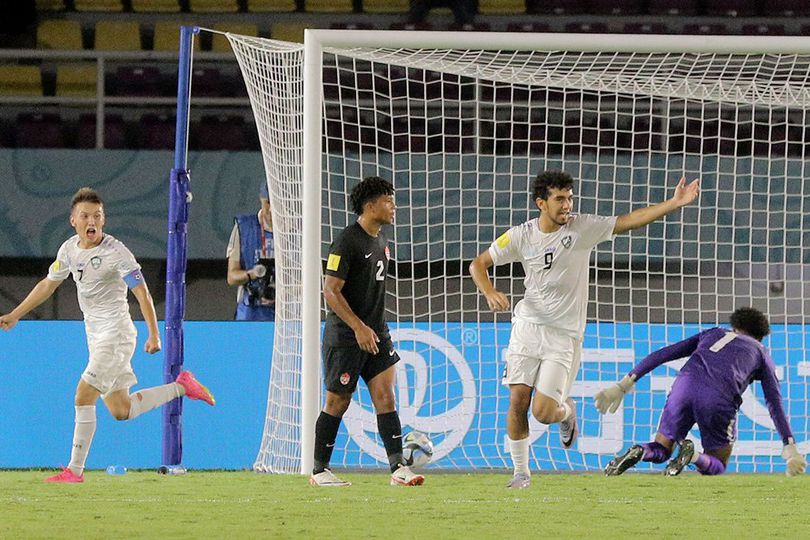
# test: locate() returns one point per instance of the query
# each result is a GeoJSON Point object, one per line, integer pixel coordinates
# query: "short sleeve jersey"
{"type": "Point", "coordinates": [361, 261]}
{"type": "Point", "coordinates": [100, 273]}
{"type": "Point", "coordinates": [556, 266]}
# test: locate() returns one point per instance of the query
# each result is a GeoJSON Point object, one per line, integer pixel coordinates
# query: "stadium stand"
{"type": "Point", "coordinates": [76, 79]}
{"type": "Point", "coordinates": [98, 5]}
{"type": "Point", "coordinates": [155, 6]}
{"type": "Point", "coordinates": [220, 43]}
{"type": "Point", "coordinates": [114, 35]}
{"type": "Point", "coordinates": [617, 7]}
{"type": "Point", "coordinates": [61, 34]}
{"type": "Point", "coordinates": [213, 6]}
{"type": "Point", "coordinates": [731, 8]}
{"type": "Point", "coordinates": [386, 6]}
{"type": "Point", "coordinates": [38, 130]}
{"type": "Point", "coordinates": [166, 36]}
{"type": "Point", "coordinates": [288, 31]}
{"type": "Point", "coordinates": [501, 7]}
{"type": "Point", "coordinates": [263, 6]}
{"type": "Point", "coordinates": [115, 131]}
{"type": "Point", "coordinates": [788, 8]}
{"type": "Point", "coordinates": [50, 5]}
{"type": "Point", "coordinates": [20, 80]}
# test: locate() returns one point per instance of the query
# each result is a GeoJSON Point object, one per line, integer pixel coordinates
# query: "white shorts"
{"type": "Point", "coordinates": [543, 358]}
{"type": "Point", "coordinates": [111, 346]}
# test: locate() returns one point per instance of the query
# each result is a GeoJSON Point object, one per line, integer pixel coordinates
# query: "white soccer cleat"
{"type": "Point", "coordinates": [404, 476]}
{"type": "Point", "coordinates": [327, 478]}
{"type": "Point", "coordinates": [568, 428]}
{"type": "Point", "coordinates": [519, 481]}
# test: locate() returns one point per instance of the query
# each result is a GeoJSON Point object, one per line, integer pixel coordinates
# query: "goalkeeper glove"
{"type": "Point", "coordinates": [796, 463]}
{"type": "Point", "coordinates": [609, 399]}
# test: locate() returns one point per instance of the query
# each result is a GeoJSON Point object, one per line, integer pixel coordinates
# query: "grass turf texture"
{"type": "Point", "coordinates": [246, 505]}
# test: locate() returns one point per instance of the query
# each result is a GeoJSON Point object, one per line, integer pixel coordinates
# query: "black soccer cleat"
{"type": "Point", "coordinates": [684, 458]}
{"type": "Point", "coordinates": [621, 463]}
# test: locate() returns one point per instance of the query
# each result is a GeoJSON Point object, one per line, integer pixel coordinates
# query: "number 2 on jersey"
{"type": "Point", "coordinates": [380, 271]}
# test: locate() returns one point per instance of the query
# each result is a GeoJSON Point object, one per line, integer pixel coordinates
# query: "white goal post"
{"type": "Point", "coordinates": [626, 115]}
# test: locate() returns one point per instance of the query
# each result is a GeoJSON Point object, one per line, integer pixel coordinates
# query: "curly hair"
{"type": "Point", "coordinates": [751, 321]}
{"type": "Point", "coordinates": [370, 189]}
{"type": "Point", "coordinates": [550, 179]}
{"type": "Point", "coordinates": [85, 194]}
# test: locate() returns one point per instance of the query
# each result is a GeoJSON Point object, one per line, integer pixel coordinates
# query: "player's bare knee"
{"type": "Point", "coordinates": [120, 414]}
{"type": "Point", "coordinates": [337, 404]}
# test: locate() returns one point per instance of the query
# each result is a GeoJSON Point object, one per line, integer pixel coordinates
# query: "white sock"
{"type": "Point", "coordinates": [83, 431]}
{"type": "Point", "coordinates": [695, 457]}
{"type": "Point", "coordinates": [150, 398]}
{"type": "Point", "coordinates": [520, 455]}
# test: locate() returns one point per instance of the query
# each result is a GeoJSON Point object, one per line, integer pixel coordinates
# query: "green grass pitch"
{"type": "Point", "coordinates": [237, 505]}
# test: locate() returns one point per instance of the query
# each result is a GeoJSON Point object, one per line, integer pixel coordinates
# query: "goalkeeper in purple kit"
{"type": "Point", "coordinates": [707, 391]}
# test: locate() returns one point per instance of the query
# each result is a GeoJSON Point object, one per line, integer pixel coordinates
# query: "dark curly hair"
{"type": "Point", "coordinates": [85, 194]}
{"type": "Point", "coordinates": [550, 179]}
{"type": "Point", "coordinates": [370, 189]}
{"type": "Point", "coordinates": [750, 321]}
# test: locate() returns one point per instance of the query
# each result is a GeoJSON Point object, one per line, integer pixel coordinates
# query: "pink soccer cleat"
{"type": "Point", "coordinates": [66, 477]}
{"type": "Point", "coordinates": [193, 388]}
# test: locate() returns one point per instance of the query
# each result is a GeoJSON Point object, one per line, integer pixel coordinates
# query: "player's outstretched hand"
{"type": "Point", "coordinates": [796, 462]}
{"type": "Point", "coordinates": [686, 193]}
{"type": "Point", "coordinates": [367, 339]}
{"type": "Point", "coordinates": [7, 322]}
{"type": "Point", "coordinates": [152, 345]}
{"type": "Point", "coordinates": [609, 399]}
{"type": "Point", "coordinates": [497, 301]}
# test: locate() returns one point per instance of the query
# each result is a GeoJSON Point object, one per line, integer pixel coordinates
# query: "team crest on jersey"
{"type": "Point", "coordinates": [387, 253]}
{"type": "Point", "coordinates": [95, 262]}
{"type": "Point", "coordinates": [344, 379]}
{"type": "Point", "coordinates": [566, 242]}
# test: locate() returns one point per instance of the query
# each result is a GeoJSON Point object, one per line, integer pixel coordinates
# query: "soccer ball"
{"type": "Point", "coordinates": [417, 449]}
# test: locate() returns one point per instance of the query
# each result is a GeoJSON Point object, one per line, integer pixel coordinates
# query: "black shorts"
{"type": "Point", "coordinates": [343, 366]}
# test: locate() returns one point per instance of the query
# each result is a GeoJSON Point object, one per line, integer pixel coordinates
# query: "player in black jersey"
{"type": "Point", "coordinates": [356, 341]}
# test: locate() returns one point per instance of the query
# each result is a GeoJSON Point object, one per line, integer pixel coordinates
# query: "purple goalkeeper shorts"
{"type": "Point", "coordinates": [689, 403]}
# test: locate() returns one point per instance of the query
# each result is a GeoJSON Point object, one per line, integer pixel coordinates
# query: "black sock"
{"type": "Point", "coordinates": [391, 433]}
{"type": "Point", "coordinates": [326, 429]}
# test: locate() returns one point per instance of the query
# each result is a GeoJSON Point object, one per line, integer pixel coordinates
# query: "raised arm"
{"type": "Point", "coordinates": [479, 270]}
{"type": "Point", "coordinates": [41, 292]}
{"type": "Point", "coordinates": [366, 338]}
{"type": "Point", "coordinates": [684, 194]}
{"type": "Point", "coordinates": [147, 306]}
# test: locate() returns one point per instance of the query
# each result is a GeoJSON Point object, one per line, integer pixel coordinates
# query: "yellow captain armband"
{"type": "Point", "coordinates": [55, 266]}
{"type": "Point", "coordinates": [333, 262]}
{"type": "Point", "coordinates": [503, 240]}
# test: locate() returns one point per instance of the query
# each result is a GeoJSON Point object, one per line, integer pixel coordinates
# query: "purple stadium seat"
{"type": "Point", "coordinates": [527, 27]}
{"type": "Point", "coordinates": [586, 28]}
{"type": "Point", "coordinates": [786, 8]}
{"type": "Point", "coordinates": [114, 131]}
{"type": "Point", "coordinates": [674, 7]}
{"type": "Point", "coordinates": [705, 29]}
{"type": "Point", "coordinates": [646, 28]}
{"type": "Point", "coordinates": [731, 8]}
{"type": "Point", "coordinates": [206, 82]}
{"type": "Point", "coordinates": [763, 29]}
{"type": "Point", "coordinates": [136, 81]}
{"type": "Point", "coordinates": [411, 26]}
{"type": "Point", "coordinates": [156, 132]}
{"type": "Point", "coordinates": [474, 27]}
{"type": "Point", "coordinates": [351, 25]}
{"type": "Point", "coordinates": [221, 133]}
{"type": "Point", "coordinates": [557, 7]}
{"type": "Point", "coordinates": [36, 130]}
{"type": "Point", "coordinates": [617, 7]}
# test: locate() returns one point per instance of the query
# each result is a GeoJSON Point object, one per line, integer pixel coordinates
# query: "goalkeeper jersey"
{"type": "Point", "coordinates": [102, 274]}
{"type": "Point", "coordinates": [556, 266]}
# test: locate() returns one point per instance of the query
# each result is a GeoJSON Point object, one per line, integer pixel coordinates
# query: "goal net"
{"type": "Point", "coordinates": [461, 131]}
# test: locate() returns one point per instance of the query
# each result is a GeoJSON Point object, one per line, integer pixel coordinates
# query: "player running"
{"type": "Point", "coordinates": [103, 268]}
{"type": "Point", "coordinates": [549, 322]}
{"type": "Point", "coordinates": [707, 391]}
{"type": "Point", "coordinates": [356, 340]}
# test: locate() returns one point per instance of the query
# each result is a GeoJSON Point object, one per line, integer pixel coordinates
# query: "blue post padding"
{"type": "Point", "coordinates": [176, 255]}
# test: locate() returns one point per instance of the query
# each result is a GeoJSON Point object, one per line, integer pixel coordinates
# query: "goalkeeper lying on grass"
{"type": "Point", "coordinates": [707, 391]}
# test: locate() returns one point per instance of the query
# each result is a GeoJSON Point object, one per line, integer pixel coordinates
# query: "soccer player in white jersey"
{"type": "Point", "coordinates": [549, 322]}
{"type": "Point", "coordinates": [103, 268]}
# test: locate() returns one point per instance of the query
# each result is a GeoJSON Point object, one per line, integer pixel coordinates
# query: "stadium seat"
{"type": "Point", "coordinates": [705, 29]}
{"type": "Point", "coordinates": [155, 6]}
{"type": "Point", "coordinates": [136, 81]}
{"type": "Point", "coordinates": [213, 6]}
{"type": "Point", "coordinates": [221, 133]}
{"type": "Point", "coordinates": [731, 8]}
{"type": "Point", "coordinates": [166, 36]}
{"type": "Point", "coordinates": [118, 36]}
{"type": "Point", "coordinates": [763, 29]}
{"type": "Point", "coordinates": [646, 28]}
{"type": "Point", "coordinates": [288, 32]}
{"type": "Point", "coordinates": [156, 132]}
{"type": "Point", "coordinates": [617, 7]}
{"type": "Point", "coordinates": [50, 5]}
{"type": "Point", "coordinates": [35, 130]}
{"type": "Point", "coordinates": [59, 34]}
{"type": "Point", "coordinates": [586, 28]}
{"type": "Point", "coordinates": [501, 7]}
{"type": "Point", "coordinates": [220, 43]}
{"type": "Point", "coordinates": [411, 26]}
{"type": "Point", "coordinates": [98, 5]}
{"type": "Point", "coordinates": [674, 7]}
{"type": "Point", "coordinates": [115, 131]}
{"type": "Point", "coordinates": [328, 6]}
{"type": "Point", "coordinates": [208, 82]}
{"type": "Point", "coordinates": [477, 26]}
{"type": "Point", "coordinates": [78, 80]}
{"type": "Point", "coordinates": [557, 7]}
{"type": "Point", "coordinates": [352, 25]}
{"type": "Point", "coordinates": [787, 8]}
{"type": "Point", "coordinates": [386, 6]}
{"type": "Point", "coordinates": [527, 27]}
{"type": "Point", "coordinates": [20, 80]}
{"type": "Point", "coordinates": [263, 6]}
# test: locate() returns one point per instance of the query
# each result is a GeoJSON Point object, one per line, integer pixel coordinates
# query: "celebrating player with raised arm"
{"type": "Point", "coordinates": [707, 391]}
{"type": "Point", "coordinates": [103, 268]}
{"type": "Point", "coordinates": [549, 322]}
{"type": "Point", "coordinates": [356, 340]}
